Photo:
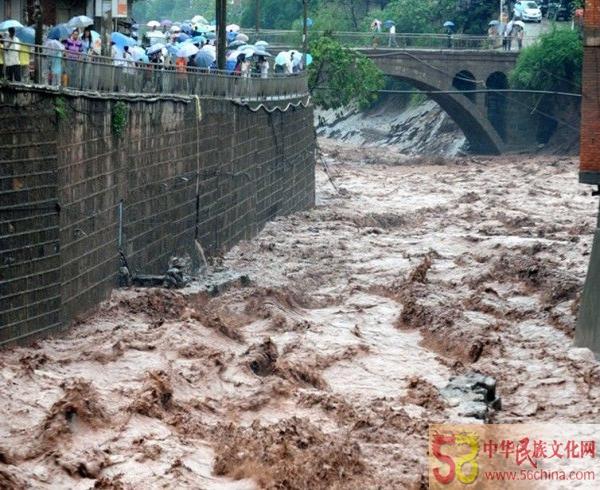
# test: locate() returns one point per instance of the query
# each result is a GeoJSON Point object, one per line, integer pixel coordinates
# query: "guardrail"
{"type": "Point", "coordinates": [384, 39]}
{"type": "Point", "coordinates": [51, 67]}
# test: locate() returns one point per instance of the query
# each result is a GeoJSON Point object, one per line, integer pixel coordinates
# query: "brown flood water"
{"type": "Point", "coordinates": [324, 371]}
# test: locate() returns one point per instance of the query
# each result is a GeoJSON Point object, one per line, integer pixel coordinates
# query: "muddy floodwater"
{"type": "Point", "coordinates": [323, 366]}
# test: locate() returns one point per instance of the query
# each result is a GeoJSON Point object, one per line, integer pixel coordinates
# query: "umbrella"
{"type": "Point", "coordinates": [153, 23]}
{"type": "Point", "coordinates": [137, 52]}
{"type": "Point", "coordinates": [166, 23]}
{"type": "Point", "coordinates": [175, 29]}
{"type": "Point", "coordinates": [187, 50]}
{"type": "Point", "coordinates": [236, 44]}
{"type": "Point", "coordinates": [154, 48]}
{"type": "Point", "coordinates": [198, 40]}
{"type": "Point", "coordinates": [198, 19]}
{"type": "Point", "coordinates": [53, 46]}
{"type": "Point", "coordinates": [210, 49]}
{"type": "Point", "coordinates": [264, 44]}
{"type": "Point", "coordinates": [8, 23]}
{"type": "Point", "coordinates": [242, 37]}
{"type": "Point", "coordinates": [493, 23]}
{"type": "Point", "coordinates": [59, 32]}
{"type": "Point", "coordinates": [210, 35]}
{"type": "Point", "coordinates": [80, 22]}
{"type": "Point", "coordinates": [233, 56]}
{"type": "Point", "coordinates": [309, 59]}
{"type": "Point", "coordinates": [232, 27]}
{"type": "Point", "coordinates": [309, 22]}
{"type": "Point", "coordinates": [520, 23]}
{"type": "Point", "coordinates": [186, 28]}
{"type": "Point", "coordinates": [172, 49]}
{"type": "Point", "coordinates": [297, 58]}
{"type": "Point", "coordinates": [448, 23]}
{"type": "Point", "coordinates": [182, 37]}
{"type": "Point", "coordinates": [388, 23]}
{"type": "Point", "coordinates": [260, 52]}
{"type": "Point", "coordinates": [203, 59]}
{"type": "Point", "coordinates": [26, 34]}
{"type": "Point", "coordinates": [282, 58]}
{"type": "Point", "coordinates": [121, 40]}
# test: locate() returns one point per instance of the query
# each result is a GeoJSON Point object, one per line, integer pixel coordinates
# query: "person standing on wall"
{"type": "Point", "coordinates": [11, 56]}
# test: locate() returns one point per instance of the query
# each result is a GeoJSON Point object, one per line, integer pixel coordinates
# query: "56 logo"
{"type": "Point", "coordinates": [454, 457]}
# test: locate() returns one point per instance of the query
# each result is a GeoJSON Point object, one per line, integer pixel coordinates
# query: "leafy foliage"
{"type": "Point", "coordinates": [119, 118]}
{"type": "Point", "coordinates": [339, 76]}
{"type": "Point", "coordinates": [554, 63]}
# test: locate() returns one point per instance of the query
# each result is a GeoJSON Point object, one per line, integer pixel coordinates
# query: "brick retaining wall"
{"type": "Point", "coordinates": [181, 170]}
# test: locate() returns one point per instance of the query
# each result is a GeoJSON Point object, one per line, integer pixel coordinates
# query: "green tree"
{"type": "Point", "coordinates": [553, 63]}
{"type": "Point", "coordinates": [339, 76]}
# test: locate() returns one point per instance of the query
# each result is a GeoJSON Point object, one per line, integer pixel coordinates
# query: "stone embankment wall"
{"type": "Point", "coordinates": [82, 178]}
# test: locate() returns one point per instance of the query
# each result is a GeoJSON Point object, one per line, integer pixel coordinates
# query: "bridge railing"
{"type": "Point", "coordinates": [383, 39]}
{"type": "Point", "coordinates": [51, 67]}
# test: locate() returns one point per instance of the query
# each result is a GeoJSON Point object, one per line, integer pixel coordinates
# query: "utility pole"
{"type": "Point", "coordinates": [39, 37]}
{"type": "Point", "coordinates": [304, 32]}
{"type": "Point", "coordinates": [221, 16]}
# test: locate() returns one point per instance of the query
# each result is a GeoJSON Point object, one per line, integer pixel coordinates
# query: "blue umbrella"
{"type": "Point", "coordinates": [186, 28]}
{"type": "Point", "coordinates": [199, 40]}
{"type": "Point", "coordinates": [388, 23]}
{"type": "Point", "coordinates": [493, 23]}
{"type": "Point", "coordinates": [210, 35]}
{"type": "Point", "coordinates": [172, 49]}
{"type": "Point", "coordinates": [8, 23]}
{"type": "Point", "coordinates": [182, 37]}
{"type": "Point", "coordinates": [121, 40]}
{"type": "Point", "coordinates": [204, 59]}
{"type": "Point", "coordinates": [309, 22]}
{"type": "Point", "coordinates": [59, 32]}
{"type": "Point", "coordinates": [26, 34]}
{"type": "Point", "coordinates": [448, 23]}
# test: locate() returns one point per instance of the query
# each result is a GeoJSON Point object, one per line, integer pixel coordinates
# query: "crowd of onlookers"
{"type": "Point", "coordinates": [168, 48]}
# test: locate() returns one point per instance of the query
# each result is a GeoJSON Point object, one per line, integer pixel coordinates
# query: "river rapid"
{"type": "Point", "coordinates": [323, 366]}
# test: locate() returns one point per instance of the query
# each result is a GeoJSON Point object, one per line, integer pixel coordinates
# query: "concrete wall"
{"type": "Point", "coordinates": [182, 169]}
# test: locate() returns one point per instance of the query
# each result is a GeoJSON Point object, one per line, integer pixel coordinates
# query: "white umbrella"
{"type": "Point", "coordinates": [155, 34]}
{"type": "Point", "coordinates": [297, 58]}
{"type": "Point", "coordinates": [198, 19]}
{"type": "Point", "coordinates": [233, 55]}
{"type": "Point", "coordinates": [175, 29]}
{"type": "Point", "coordinates": [187, 50]}
{"type": "Point", "coordinates": [233, 27]}
{"type": "Point", "coordinates": [154, 48]}
{"type": "Point", "coordinates": [80, 22]}
{"type": "Point", "coordinates": [153, 23]}
{"type": "Point", "coordinates": [7, 24]}
{"type": "Point", "coordinates": [264, 44]}
{"type": "Point", "coordinates": [520, 23]}
{"type": "Point", "coordinates": [247, 50]}
{"type": "Point", "coordinates": [53, 46]}
{"type": "Point", "coordinates": [241, 37]}
{"type": "Point", "coordinates": [137, 52]}
{"type": "Point", "coordinates": [210, 49]}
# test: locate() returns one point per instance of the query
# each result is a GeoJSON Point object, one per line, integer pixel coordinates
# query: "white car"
{"type": "Point", "coordinates": [528, 11]}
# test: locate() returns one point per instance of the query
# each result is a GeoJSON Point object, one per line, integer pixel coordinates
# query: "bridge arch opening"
{"type": "Point", "coordinates": [465, 80]}
{"type": "Point", "coordinates": [495, 102]}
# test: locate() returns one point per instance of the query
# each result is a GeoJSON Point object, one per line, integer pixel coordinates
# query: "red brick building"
{"type": "Point", "coordinates": [590, 106]}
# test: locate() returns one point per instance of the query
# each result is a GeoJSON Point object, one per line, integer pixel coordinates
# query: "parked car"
{"type": "Point", "coordinates": [528, 10]}
{"type": "Point", "coordinates": [561, 10]}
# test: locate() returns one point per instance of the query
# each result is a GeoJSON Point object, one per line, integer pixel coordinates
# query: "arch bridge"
{"type": "Point", "coordinates": [482, 116]}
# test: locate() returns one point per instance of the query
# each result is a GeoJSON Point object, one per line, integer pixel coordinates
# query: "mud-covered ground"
{"type": "Point", "coordinates": [324, 370]}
